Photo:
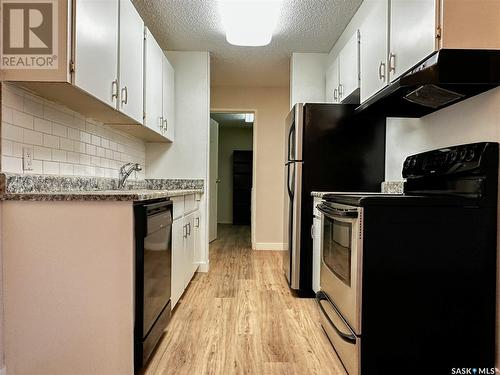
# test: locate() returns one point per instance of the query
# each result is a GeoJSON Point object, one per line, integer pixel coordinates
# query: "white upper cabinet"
{"type": "Point", "coordinates": [168, 99]}
{"type": "Point", "coordinates": [412, 34]}
{"type": "Point", "coordinates": [343, 74]}
{"type": "Point", "coordinates": [131, 69]}
{"type": "Point", "coordinates": [333, 80]}
{"type": "Point", "coordinates": [96, 49]}
{"type": "Point", "coordinates": [153, 88]}
{"type": "Point", "coordinates": [159, 90]}
{"type": "Point", "coordinates": [374, 35]}
{"type": "Point", "coordinates": [349, 69]}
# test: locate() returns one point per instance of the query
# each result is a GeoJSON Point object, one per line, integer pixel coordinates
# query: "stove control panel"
{"type": "Point", "coordinates": [445, 161]}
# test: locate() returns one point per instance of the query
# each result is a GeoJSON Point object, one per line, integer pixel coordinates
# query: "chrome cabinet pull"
{"type": "Point", "coordinates": [184, 231]}
{"type": "Point", "coordinates": [197, 222]}
{"type": "Point", "coordinates": [161, 123]}
{"type": "Point", "coordinates": [381, 71]}
{"type": "Point", "coordinates": [165, 125]}
{"type": "Point", "coordinates": [189, 229]}
{"type": "Point", "coordinates": [392, 62]}
{"type": "Point", "coordinates": [312, 231]}
{"type": "Point", "coordinates": [335, 94]}
{"type": "Point", "coordinates": [341, 91]}
{"type": "Point", "coordinates": [124, 96]}
{"type": "Point", "coordinates": [114, 90]}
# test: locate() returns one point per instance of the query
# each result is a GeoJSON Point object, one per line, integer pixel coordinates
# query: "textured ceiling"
{"type": "Point", "coordinates": [194, 25]}
{"type": "Point", "coordinates": [231, 120]}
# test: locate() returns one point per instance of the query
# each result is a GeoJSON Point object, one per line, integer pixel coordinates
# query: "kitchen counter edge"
{"type": "Point", "coordinates": [111, 195]}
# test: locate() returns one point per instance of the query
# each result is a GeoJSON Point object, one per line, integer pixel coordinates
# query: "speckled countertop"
{"type": "Point", "coordinates": [58, 188]}
{"type": "Point", "coordinates": [388, 187]}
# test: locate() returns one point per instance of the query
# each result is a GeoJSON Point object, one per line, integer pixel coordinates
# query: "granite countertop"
{"type": "Point", "coordinates": [99, 195]}
{"type": "Point", "coordinates": [14, 187]}
{"type": "Point", "coordinates": [388, 187]}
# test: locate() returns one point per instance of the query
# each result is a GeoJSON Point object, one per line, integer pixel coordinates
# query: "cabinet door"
{"type": "Point", "coordinates": [96, 48]}
{"type": "Point", "coordinates": [374, 38]}
{"type": "Point", "coordinates": [349, 67]}
{"type": "Point", "coordinates": [131, 67]}
{"type": "Point", "coordinates": [197, 241]}
{"type": "Point", "coordinates": [413, 31]}
{"type": "Point", "coordinates": [178, 277]}
{"type": "Point", "coordinates": [153, 92]}
{"type": "Point", "coordinates": [333, 78]}
{"type": "Point", "coordinates": [168, 99]}
{"type": "Point", "coordinates": [189, 250]}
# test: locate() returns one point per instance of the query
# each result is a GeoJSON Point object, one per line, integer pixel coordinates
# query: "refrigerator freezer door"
{"type": "Point", "coordinates": [293, 171]}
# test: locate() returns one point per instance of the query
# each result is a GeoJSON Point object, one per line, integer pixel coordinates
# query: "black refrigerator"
{"type": "Point", "coordinates": [328, 148]}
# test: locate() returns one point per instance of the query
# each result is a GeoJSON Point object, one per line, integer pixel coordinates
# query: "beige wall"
{"type": "Point", "coordinates": [230, 139]}
{"type": "Point", "coordinates": [271, 106]}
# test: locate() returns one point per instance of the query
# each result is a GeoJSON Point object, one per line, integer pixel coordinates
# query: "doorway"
{"type": "Point", "coordinates": [231, 170]}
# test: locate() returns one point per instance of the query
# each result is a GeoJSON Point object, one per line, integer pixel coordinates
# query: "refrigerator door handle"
{"type": "Point", "coordinates": [292, 129]}
{"type": "Point", "coordinates": [290, 192]}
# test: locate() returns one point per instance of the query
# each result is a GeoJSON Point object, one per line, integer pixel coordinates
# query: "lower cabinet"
{"type": "Point", "coordinates": [185, 236]}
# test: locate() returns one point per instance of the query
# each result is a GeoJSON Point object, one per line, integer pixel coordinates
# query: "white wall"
{"type": "Point", "coordinates": [187, 157]}
{"type": "Point", "coordinates": [307, 78]}
{"type": "Point", "coordinates": [230, 139]}
{"type": "Point", "coordinates": [64, 142]}
{"type": "Point", "coordinates": [473, 120]}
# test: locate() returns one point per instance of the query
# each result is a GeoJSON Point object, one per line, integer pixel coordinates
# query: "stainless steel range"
{"type": "Point", "coordinates": [408, 281]}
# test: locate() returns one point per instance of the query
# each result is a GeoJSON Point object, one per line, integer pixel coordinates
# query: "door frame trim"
{"type": "Point", "coordinates": [254, 162]}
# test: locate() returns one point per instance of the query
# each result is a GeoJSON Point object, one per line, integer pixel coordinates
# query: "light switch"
{"type": "Point", "coordinates": [27, 158]}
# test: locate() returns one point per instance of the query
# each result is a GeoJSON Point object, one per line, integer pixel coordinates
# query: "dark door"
{"type": "Point", "coordinates": [242, 187]}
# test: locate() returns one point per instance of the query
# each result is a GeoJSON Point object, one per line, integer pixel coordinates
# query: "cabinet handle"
{"type": "Point", "coordinates": [184, 231]}
{"type": "Point", "coordinates": [165, 125]}
{"type": "Point", "coordinates": [114, 90]}
{"type": "Point", "coordinates": [381, 71]}
{"type": "Point", "coordinates": [392, 62]}
{"type": "Point", "coordinates": [312, 231]}
{"type": "Point", "coordinates": [341, 91]}
{"type": "Point", "coordinates": [124, 98]}
{"type": "Point", "coordinates": [189, 229]}
{"type": "Point", "coordinates": [197, 222]}
{"type": "Point", "coordinates": [335, 94]}
{"type": "Point", "coordinates": [161, 123]}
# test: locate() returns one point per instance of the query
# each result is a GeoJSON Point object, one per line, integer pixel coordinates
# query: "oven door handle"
{"type": "Point", "coordinates": [347, 337]}
{"type": "Point", "coordinates": [334, 212]}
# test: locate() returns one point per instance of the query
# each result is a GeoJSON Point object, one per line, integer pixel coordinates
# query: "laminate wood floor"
{"type": "Point", "coordinates": [241, 318]}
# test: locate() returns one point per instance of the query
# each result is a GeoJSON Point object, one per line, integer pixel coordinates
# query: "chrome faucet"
{"type": "Point", "coordinates": [125, 172]}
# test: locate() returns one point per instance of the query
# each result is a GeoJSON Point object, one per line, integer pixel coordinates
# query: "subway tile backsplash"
{"type": "Point", "coordinates": [64, 143]}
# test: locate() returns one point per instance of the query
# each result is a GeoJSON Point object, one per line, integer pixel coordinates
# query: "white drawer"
{"type": "Point", "coordinates": [178, 207]}
{"type": "Point", "coordinates": [190, 204]}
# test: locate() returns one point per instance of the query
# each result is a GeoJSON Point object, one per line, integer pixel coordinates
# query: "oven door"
{"type": "Point", "coordinates": [341, 257]}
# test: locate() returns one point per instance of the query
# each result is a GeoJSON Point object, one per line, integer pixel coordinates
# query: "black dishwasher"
{"type": "Point", "coordinates": [153, 261]}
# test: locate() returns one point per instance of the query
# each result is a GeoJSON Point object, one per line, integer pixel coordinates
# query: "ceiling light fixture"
{"type": "Point", "coordinates": [249, 23]}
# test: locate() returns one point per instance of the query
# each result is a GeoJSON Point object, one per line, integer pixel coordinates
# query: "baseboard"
{"type": "Point", "coordinates": [202, 267]}
{"type": "Point", "coordinates": [275, 246]}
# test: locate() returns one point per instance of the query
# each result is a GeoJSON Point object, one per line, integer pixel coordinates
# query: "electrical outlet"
{"type": "Point", "coordinates": [27, 159]}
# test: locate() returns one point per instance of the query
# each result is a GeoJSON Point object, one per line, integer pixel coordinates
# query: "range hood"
{"type": "Point", "coordinates": [445, 78]}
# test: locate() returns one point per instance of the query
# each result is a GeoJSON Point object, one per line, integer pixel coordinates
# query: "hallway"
{"type": "Point", "coordinates": [240, 318]}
